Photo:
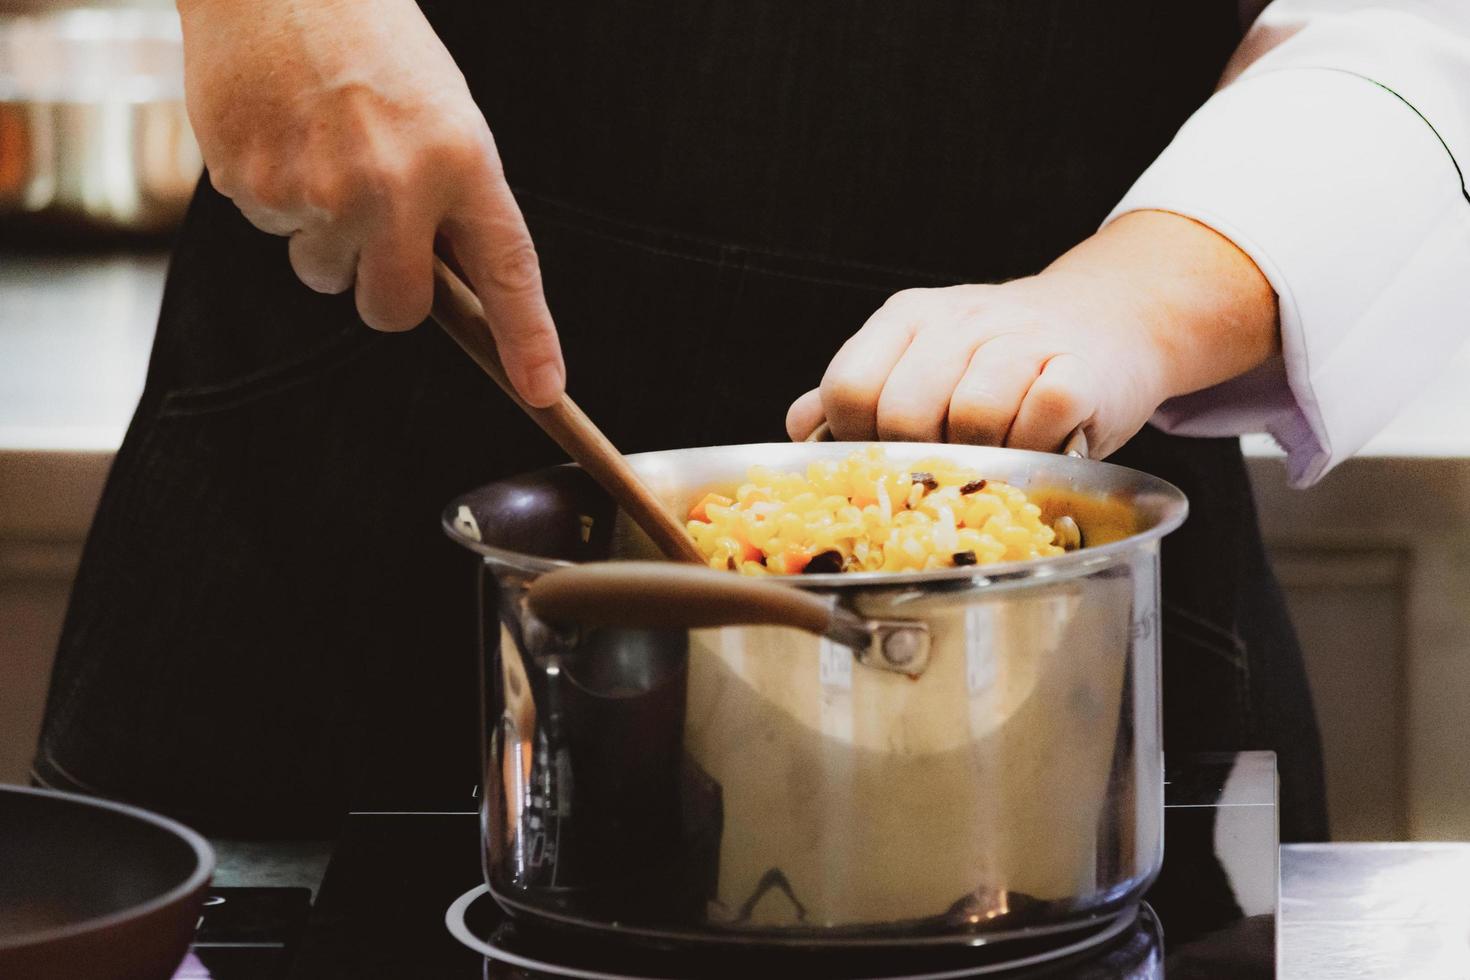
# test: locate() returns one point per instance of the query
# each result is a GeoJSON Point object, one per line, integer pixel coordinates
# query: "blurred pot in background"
{"type": "Point", "coordinates": [93, 133]}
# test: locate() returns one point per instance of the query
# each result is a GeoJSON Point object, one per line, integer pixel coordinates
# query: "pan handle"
{"type": "Point", "coordinates": [1075, 446]}
{"type": "Point", "coordinates": [664, 595]}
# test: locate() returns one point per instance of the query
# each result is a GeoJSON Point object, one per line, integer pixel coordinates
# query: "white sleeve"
{"type": "Point", "coordinates": [1336, 156]}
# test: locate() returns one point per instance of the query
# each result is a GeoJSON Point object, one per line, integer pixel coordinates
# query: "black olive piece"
{"type": "Point", "coordinates": [927, 479]}
{"type": "Point", "coordinates": [824, 563]}
{"type": "Point", "coordinates": [964, 558]}
{"type": "Point", "coordinates": [975, 487]}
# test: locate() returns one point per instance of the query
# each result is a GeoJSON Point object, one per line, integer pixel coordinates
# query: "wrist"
{"type": "Point", "coordinates": [1204, 310]}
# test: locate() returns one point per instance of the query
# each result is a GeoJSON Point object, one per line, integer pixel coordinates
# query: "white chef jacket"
{"type": "Point", "coordinates": [1336, 154]}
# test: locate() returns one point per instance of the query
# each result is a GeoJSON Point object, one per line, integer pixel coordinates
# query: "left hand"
{"type": "Point", "coordinates": [1153, 306]}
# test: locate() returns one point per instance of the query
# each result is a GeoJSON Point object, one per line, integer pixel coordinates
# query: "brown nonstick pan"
{"type": "Point", "coordinates": [95, 889]}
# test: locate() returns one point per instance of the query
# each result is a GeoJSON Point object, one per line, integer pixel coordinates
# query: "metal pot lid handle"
{"type": "Point", "coordinates": [1076, 445]}
{"type": "Point", "coordinates": [664, 595]}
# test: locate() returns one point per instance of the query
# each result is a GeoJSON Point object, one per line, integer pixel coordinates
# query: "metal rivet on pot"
{"type": "Point", "coordinates": [901, 647]}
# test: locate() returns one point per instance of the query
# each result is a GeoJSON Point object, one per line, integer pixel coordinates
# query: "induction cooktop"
{"type": "Point", "coordinates": [403, 899]}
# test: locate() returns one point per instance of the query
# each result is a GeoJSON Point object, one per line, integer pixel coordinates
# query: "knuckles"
{"type": "Point", "coordinates": [943, 302]}
{"type": "Point", "coordinates": [395, 307]}
{"type": "Point", "coordinates": [977, 416]}
{"type": "Point", "coordinates": [1017, 330]}
{"type": "Point", "coordinates": [1053, 401]}
{"type": "Point", "coordinates": [515, 268]}
{"type": "Point", "coordinates": [460, 150]}
{"type": "Point", "coordinates": [843, 397]}
{"type": "Point", "coordinates": [907, 299]}
{"type": "Point", "coordinates": [905, 425]}
{"type": "Point", "coordinates": [332, 178]}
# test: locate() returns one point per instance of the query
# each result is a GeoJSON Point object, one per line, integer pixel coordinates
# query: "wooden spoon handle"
{"type": "Point", "coordinates": [459, 312]}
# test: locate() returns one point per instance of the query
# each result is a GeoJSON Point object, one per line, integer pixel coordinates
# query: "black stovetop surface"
{"type": "Point", "coordinates": [380, 910]}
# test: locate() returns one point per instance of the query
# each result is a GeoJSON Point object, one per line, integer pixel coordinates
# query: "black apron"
{"type": "Point", "coordinates": [269, 627]}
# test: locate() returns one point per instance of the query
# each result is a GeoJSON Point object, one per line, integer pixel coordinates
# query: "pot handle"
{"type": "Point", "coordinates": [664, 595]}
{"type": "Point", "coordinates": [1075, 446]}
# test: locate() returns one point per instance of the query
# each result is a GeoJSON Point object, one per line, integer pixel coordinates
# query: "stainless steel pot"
{"type": "Point", "coordinates": [93, 132]}
{"type": "Point", "coordinates": [676, 753]}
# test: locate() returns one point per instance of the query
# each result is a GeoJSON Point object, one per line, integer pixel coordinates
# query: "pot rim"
{"type": "Point", "coordinates": [1084, 560]}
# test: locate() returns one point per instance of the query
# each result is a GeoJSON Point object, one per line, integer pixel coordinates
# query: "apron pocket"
{"type": "Point", "coordinates": [294, 370]}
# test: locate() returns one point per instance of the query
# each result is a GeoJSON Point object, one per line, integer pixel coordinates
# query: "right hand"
{"type": "Point", "coordinates": [346, 125]}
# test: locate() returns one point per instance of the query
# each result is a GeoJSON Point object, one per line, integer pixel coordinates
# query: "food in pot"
{"type": "Point", "coordinates": [866, 513]}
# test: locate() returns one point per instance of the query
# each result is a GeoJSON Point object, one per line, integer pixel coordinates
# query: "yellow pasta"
{"type": "Point", "coordinates": [865, 513]}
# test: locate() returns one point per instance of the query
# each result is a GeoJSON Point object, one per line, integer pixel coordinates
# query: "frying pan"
{"type": "Point", "coordinates": [90, 888]}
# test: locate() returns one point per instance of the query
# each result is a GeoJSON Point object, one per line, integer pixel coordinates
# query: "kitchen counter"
{"type": "Point", "coordinates": [1364, 911]}
{"type": "Point", "coordinates": [1360, 911]}
{"type": "Point", "coordinates": [399, 885]}
{"type": "Point", "coordinates": [1348, 911]}
{"type": "Point", "coordinates": [75, 331]}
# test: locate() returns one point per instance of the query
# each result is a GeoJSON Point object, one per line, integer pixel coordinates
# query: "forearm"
{"type": "Point", "coordinates": [1335, 156]}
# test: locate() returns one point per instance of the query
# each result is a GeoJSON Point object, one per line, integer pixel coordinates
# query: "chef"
{"type": "Point", "coordinates": [1167, 222]}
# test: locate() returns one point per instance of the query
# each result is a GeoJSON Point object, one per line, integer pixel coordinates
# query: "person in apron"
{"type": "Point", "coordinates": [268, 627]}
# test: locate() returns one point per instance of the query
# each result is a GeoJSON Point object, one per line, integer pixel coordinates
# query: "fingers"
{"type": "Point", "coordinates": [390, 261]}
{"type": "Point", "coordinates": [323, 259]}
{"type": "Point", "coordinates": [395, 275]}
{"type": "Point", "coordinates": [1011, 365]}
{"type": "Point", "coordinates": [983, 404]}
{"type": "Point", "coordinates": [265, 193]}
{"type": "Point", "coordinates": [919, 371]}
{"type": "Point", "coordinates": [269, 220]}
{"type": "Point", "coordinates": [855, 378]}
{"type": "Point", "coordinates": [494, 248]}
{"type": "Point", "coordinates": [915, 400]}
{"type": "Point", "coordinates": [804, 415]}
{"type": "Point", "coordinates": [1062, 397]}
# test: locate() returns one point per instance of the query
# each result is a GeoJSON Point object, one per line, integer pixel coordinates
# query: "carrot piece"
{"type": "Point", "coordinates": [860, 501]}
{"type": "Point", "coordinates": [699, 513]}
{"type": "Point", "coordinates": [794, 560]}
{"type": "Point", "coordinates": [748, 551]}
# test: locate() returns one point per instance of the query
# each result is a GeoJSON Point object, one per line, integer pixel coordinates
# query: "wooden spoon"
{"type": "Point", "coordinates": [459, 312]}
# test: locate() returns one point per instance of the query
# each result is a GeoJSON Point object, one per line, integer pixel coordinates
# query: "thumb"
{"type": "Point", "coordinates": [804, 415]}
